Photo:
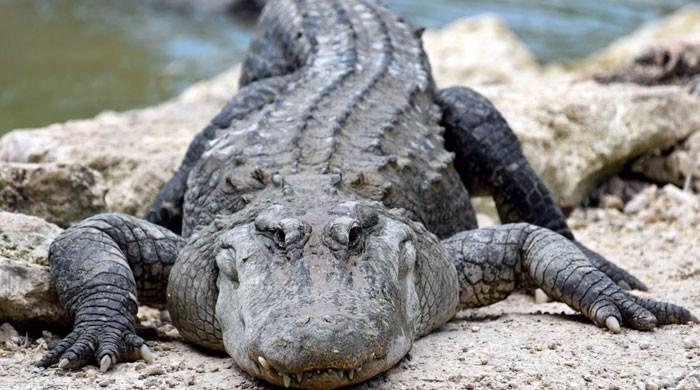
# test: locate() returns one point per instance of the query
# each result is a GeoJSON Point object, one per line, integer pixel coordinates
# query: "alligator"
{"type": "Point", "coordinates": [322, 221]}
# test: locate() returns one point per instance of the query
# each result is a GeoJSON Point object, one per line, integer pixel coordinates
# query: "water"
{"type": "Point", "coordinates": [63, 59]}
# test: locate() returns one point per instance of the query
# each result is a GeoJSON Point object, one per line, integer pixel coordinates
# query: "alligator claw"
{"type": "Point", "coordinates": [612, 324]}
{"type": "Point", "coordinates": [146, 354]}
{"type": "Point", "coordinates": [105, 363]}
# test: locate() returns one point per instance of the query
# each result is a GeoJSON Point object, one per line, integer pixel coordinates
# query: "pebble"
{"type": "Point", "coordinates": [689, 383]}
{"type": "Point", "coordinates": [681, 196]}
{"type": "Point", "coordinates": [690, 342]}
{"type": "Point", "coordinates": [7, 333]}
{"type": "Point", "coordinates": [152, 371]}
{"type": "Point", "coordinates": [612, 202]}
{"type": "Point", "coordinates": [651, 385]}
{"type": "Point", "coordinates": [638, 203]}
{"type": "Point", "coordinates": [644, 345]}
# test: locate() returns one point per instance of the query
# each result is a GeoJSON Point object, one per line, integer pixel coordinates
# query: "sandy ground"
{"type": "Point", "coordinates": [515, 344]}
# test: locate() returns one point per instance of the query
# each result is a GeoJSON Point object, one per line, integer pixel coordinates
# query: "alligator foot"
{"type": "Point", "coordinates": [492, 262]}
{"type": "Point", "coordinates": [103, 343]}
{"type": "Point", "coordinates": [624, 279]}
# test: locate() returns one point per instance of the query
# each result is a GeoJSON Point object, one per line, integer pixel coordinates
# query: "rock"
{"type": "Point", "coordinates": [26, 239]}
{"type": "Point", "coordinates": [577, 133]}
{"type": "Point", "coordinates": [60, 193]}
{"type": "Point", "coordinates": [479, 50]}
{"type": "Point", "coordinates": [26, 292]}
{"type": "Point", "coordinates": [683, 197]}
{"type": "Point", "coordinates": [612, 202]}
{"type": "Point", "coordinates": [681, 25]}
{"type": "Point", "coordinates": [679, 166]}
{"type": "Point", "coordinates": [153, 370]}
{"type": "Point", "coordinates": [650, 385]}
{"type": "Point", "coordinates": [671, 63]}
{"type": "Point", "coordinates": [7, 333]}
{"type": "Point", "coordinates": [689, 383]}
{"type": "Point", "coordinates": [637, 204]}
{"type": "Point", "coordinates": [690, 342]}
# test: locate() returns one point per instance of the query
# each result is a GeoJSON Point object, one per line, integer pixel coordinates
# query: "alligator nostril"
{"type": "Point", "coordinates": [353, 235]}
{"type": "Point", "coordinates": [280, 236]}
{"type": "Point", "coordinates": [344, 233]}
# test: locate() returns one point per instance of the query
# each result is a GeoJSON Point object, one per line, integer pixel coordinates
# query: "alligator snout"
{"type": "Point", "coordinates": [325, 349]}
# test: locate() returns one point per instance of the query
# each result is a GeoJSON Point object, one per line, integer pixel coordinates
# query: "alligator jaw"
{"type": "Point", "coordinates": [321, 378]}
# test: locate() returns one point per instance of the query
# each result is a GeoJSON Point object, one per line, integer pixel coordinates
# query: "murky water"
{"type": "Point", "coordinates": [62, 59]}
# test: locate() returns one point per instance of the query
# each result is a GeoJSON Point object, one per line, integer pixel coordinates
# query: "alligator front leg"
{"type": "Point", "coordinates": [490, 161]}
{"type": "Point", "coordinates": [102, 268]}
{"type": "Point", "coordinates": [492, 262]}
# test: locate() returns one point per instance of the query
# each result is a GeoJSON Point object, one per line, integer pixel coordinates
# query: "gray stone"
{"type": "Point", "coordinates": [7, 333]}
{"type": "Point", "coordinates": [690, 342]}
{"type": "Point", "coordinates": [681, 25]}
{"type": "Point", "coordinates": [60, 193]}
{"type": "Point", "coordinates": [25, 238]}
{"type": "Point", "coordinates": [26, 292]}
{"type": "Point", "coordinates": [681, 166]}
{"type": "Point", "coordinates": [577, 133]}
{"type": "Point", "coordinates": [637, 204]}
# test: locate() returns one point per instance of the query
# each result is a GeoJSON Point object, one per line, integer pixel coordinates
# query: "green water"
{"type": "Point", "coordinates": [63, 59]}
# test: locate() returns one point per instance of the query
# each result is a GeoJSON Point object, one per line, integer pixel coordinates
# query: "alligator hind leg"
{"type": "Point", "coordinates": [102, 268]}
{"type": "Point", "coordinates": [492, 262]}
{"type": "Point", "coordinates": [490, 161]}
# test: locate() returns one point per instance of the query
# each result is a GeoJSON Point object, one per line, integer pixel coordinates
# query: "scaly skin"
{"type": "Point", "coordinates": [311, 211]}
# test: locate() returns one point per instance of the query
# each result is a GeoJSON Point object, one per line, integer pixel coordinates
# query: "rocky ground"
{"type": "Point", "coordinates": [576, 132]}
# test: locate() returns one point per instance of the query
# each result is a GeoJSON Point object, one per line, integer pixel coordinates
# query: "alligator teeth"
{"type": "Point", "coordinates": [263, 362]}
{"type": "Point", "coordinates": [287, 380]}
{"type": "Point", "coordinates": [351, 374]}
{"type": "Point", "coordinates": [299, 377]}
{"type": "Point", "coordinates": [341, 374]}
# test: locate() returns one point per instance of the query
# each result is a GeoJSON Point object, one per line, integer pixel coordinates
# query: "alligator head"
{"type": "Point", "coordinates": [327, 296]}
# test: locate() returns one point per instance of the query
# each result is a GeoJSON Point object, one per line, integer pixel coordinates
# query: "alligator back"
{"type": "Point", "coordinates": [357, 109]}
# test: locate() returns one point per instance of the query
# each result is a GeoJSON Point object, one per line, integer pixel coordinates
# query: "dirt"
{"type": "Point", "coordinates": [515, 344]}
